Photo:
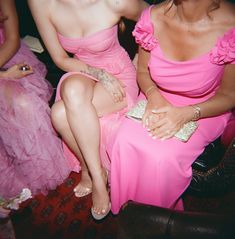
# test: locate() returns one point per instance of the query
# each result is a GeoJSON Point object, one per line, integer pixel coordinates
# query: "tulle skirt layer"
{"type": "Point", "coordinates": [31, 154]}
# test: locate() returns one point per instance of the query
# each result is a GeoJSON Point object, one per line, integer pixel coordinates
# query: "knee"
{"type": "Point", "coordinates": [58, 115]}
{"type": "Point", "coordinates": [74, 90]}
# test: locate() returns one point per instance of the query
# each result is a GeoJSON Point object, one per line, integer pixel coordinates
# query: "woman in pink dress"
{"type": "Point", "coordinates": [100, 84]}
{"type": "Point", "coordinates": [186, 72]}
{"type": "Point", "coordinates": [31, 154]}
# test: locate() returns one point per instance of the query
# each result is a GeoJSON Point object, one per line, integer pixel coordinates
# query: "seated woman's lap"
{"type": "Point", "coordinates": [101, 98]}
{"type": "Point", "coordinates": [153, 171]}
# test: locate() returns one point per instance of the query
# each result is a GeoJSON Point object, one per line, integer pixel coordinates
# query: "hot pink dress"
{"type": "Point", "coordinates": [31, 154]}
{"type": "Point", "coordinates": [102, 50]}
{"type": "Point", "coordinates": [158, 172]}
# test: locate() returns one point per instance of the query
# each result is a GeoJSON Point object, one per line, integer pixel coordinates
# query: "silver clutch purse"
{"type": "Point", "coordinates": [137, 112]}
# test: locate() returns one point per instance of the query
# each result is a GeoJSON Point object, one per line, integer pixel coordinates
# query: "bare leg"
{"type": "Point", "coordinates": [84, 100]}
{"type": "Point", "coordinates": [59, 120]}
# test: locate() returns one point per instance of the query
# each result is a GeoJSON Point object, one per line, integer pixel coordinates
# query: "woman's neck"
{"type": "Point", "coordinates": [193, 11]}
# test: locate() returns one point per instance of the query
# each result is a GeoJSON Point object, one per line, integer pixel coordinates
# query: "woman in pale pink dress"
{"type": "Point", "coordinates": [189, 48]}
{"type": "Point", "coordinates": [31, 153]}
{"type": "Point", "coordinates": [100, 84]}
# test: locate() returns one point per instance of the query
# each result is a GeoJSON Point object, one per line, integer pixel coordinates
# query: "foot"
{"type": "Point", "coordinates": [85, 185]}
{"type": "Point", "coordinates": [100, 197]}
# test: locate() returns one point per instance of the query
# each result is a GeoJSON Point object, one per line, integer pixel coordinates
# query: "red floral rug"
{"type": "Point", "coordinates": [60, 215]}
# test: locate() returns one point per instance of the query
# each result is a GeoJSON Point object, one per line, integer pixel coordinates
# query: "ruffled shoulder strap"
{"type": "Point", "coordinates": [224, 51]}
{"type": "Point", "coordinates": [144, 31]}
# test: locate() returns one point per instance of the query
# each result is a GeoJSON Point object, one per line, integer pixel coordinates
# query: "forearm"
{"type": "Point", "coordinates": [150, 89]}
{"type": "Point", "coordinates": [8, 50]}
{"type": "Point", "coordinates": [216, 105]}
{"type": "Point", "coordinates": [11, 32]}
{"type": "Point", "coordinates": [69, 64]}
{"type": "Point", "coordinates": [224, 98]}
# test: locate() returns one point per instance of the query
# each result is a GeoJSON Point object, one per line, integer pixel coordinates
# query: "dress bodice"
{"type": "Point", "coordinates": [197, 78]}
{"type": "Point", "coordinates": [98, 49]}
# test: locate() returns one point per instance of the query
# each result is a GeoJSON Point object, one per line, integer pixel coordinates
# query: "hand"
{"type": "Point", "coordinates": [17, 71]}
{"type": "Point", "coordinates": [172, 121]}
{"type": "Point", "coordinates": [150, 118]}
{"type": "Point", "coordinates": [114, 86]}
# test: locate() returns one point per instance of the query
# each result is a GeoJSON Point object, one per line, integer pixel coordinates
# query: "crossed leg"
{"type": "Point", "coordinates": [76, 118]}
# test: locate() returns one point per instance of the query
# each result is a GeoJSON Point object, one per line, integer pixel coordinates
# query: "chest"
{"type": "Point", "coordinates": [185, 43]}
{"type": "Point", "coordinates": [80, 20]}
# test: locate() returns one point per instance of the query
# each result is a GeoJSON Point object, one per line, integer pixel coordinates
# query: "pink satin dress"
{"type": "Point", "coordinates": [157, 172]}
{"type": "Point", "coordinates": [31, 153]}
{"type": "Point", "coordinates": [102, 50]}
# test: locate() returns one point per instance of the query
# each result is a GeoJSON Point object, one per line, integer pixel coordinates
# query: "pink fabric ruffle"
{"type": "Point", "coordinates": [224, 51]}
{"type": "Point", "coordinates": [144, 32]}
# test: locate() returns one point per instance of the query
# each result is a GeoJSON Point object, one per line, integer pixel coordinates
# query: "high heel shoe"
{"type": "Point", "coordinates": [82, 193]}
{"type": "Point", "coordinates": [101, 215]}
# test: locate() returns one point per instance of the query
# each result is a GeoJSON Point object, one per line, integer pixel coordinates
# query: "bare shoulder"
{"type": "Point", "coordinates": [120, 5]}
{"type": "Point", "coordinates": [127, 8]}
{"type": "Point", "coordinates": [41, 6]}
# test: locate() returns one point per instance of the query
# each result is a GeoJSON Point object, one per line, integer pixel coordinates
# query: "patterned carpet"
{"type": "Point", "coordinates": [60, 215]}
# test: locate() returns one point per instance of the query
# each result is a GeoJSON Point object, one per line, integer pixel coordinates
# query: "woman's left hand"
{"type": "Point", "coordinates": [18, 71]}
{"type": "Point", "coordinates": [172, 121]}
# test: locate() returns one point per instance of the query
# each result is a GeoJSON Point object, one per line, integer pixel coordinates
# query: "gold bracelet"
{"type": "Point", "coordinates": [149, 90]}
{"type": "Point", "coordinates": [197, 112]}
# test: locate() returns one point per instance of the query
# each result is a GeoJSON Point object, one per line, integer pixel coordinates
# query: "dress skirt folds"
{"type": "Point", "coordinates": [31, 154]}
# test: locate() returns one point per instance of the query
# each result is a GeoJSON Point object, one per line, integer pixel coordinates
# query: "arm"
{"type": "Point", "coordinates": [224, 99]}
{"type": "Point", "coordinates": [10, 25]}
{"type": "Point", "coordinates": [221, 102]}
{"type": "Point", "coordinates": [149, 88]}
{"type": "Point", "coordinates": [16, 71]}
{"type": "Point", "coordinates": [42, 13]}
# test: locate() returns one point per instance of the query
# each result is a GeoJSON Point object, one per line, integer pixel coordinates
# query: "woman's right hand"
{"type": "Point", "coordinates": [17, 71]}
{"type": "Point", "coordinates": [149, 118]}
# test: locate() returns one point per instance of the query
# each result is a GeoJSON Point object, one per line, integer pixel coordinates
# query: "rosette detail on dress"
{"type": "Point", "coordinates": [224, 51]}
{"type": "Point", "coordinates": [143, 32]}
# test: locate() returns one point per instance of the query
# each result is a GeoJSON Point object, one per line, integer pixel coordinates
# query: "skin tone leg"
{"type": "Point", "coordinates": [82, 117]}
{"type": "Point", "coordinates": [59, 115]}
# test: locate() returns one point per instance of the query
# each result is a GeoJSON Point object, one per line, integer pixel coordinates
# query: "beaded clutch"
{"type": "Point", "coordinates": [183, 134]}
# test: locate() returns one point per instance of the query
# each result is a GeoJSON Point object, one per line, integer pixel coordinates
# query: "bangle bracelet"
{"type": "Point", "coordinates": [197, 112]}
{"type": "Point", "coordinates": [149, 90]}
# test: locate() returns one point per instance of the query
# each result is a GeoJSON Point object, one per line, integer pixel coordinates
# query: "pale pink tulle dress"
{"type": "Point", "coordinates": [158, 172]}
{"type": "Point", "coordinates": [102, 50]}
{"type": "Point", "coordinates": [31, 154]}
